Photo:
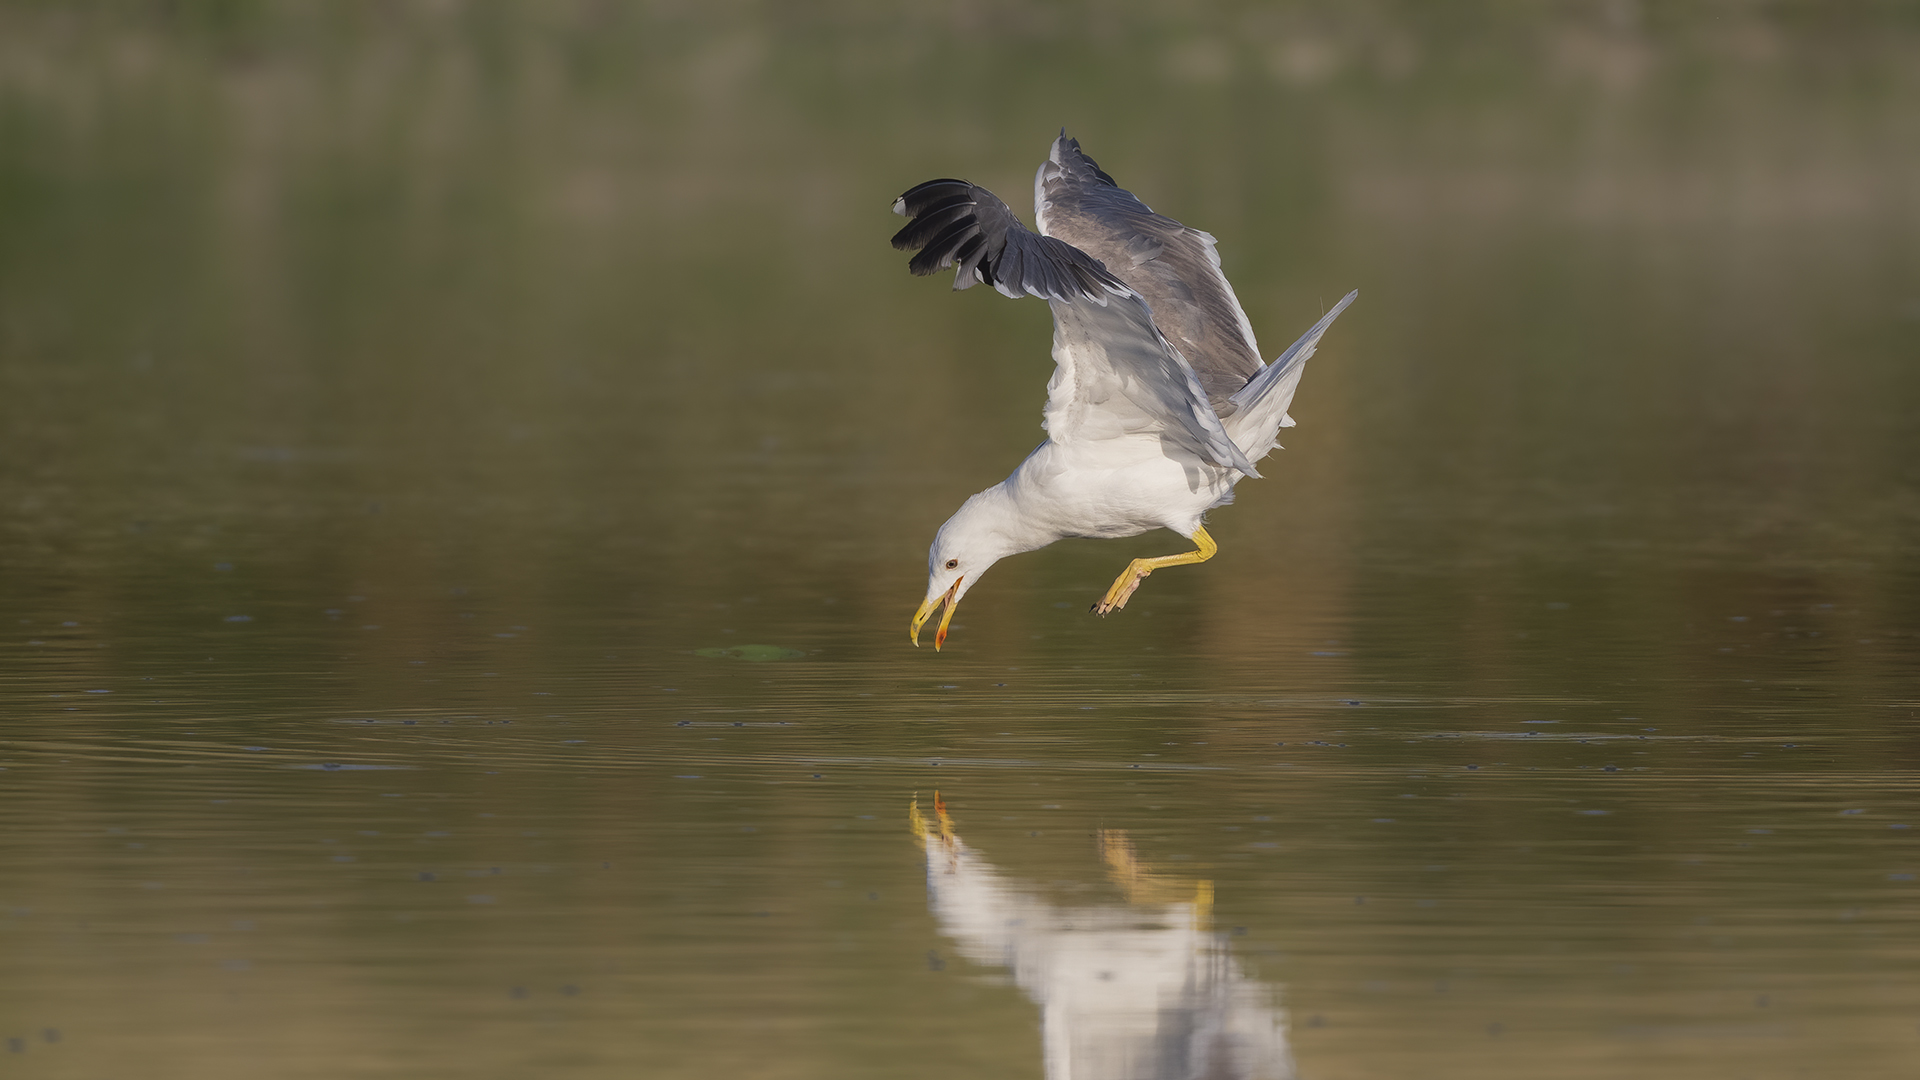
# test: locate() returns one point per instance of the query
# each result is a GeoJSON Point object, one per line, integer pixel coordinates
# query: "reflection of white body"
{"type": "Point", "coordinates": [1140, 992]}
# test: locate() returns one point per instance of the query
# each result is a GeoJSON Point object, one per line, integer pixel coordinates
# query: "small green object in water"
{"type": "Point", "coordinates": [756, 653]}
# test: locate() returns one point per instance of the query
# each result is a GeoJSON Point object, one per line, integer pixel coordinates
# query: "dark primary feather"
{"type": "Point", "coordinates": [953, 222]}
{"type": "Point", "coordinates": [1171, 266]}
{"type": "Point", "coordinates": [1119, 368]}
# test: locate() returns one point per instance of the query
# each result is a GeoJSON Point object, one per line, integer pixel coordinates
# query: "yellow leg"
{"type": "Point", "coordinates": [1137, 570]}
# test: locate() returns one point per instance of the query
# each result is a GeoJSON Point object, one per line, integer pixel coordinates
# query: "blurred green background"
{"type": "Point", "coordinates": [568, 295]}
{"type": "Point", "coordinates": [402, 361]}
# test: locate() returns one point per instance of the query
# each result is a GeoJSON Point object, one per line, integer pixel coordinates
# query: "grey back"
{"type": "Point", "coordinates": [1176, 270]}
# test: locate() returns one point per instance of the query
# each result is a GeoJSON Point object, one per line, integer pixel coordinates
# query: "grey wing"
{"type": "Point", "coordinates": [1118, 374]}
{"type": "Point", "coordinates": [1273, 388]}
{"type": "Point", "coordinates": [1174, 268]}
{"type": "Point", "coordinates": [1260, 410]}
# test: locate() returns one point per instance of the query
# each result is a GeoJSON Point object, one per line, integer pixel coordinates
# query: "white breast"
{"type": "Point", "coordinates": [1117, 487]}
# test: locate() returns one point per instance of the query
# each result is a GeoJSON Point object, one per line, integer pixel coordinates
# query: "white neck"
{"type": "Point", "coordinates": [996, 523]}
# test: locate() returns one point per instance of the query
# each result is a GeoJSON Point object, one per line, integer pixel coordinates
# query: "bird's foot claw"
{"type": "Point", "coordinates": [1121, 592]}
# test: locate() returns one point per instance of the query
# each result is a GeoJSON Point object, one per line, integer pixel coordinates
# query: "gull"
{"type": "Point", "coordinates": [1159, 401]}
{"type": "Point", "coordinates": [1147, 988]}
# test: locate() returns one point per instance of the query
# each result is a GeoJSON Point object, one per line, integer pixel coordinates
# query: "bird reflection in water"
{"type": "Point", "coordinates": [1141, 991]}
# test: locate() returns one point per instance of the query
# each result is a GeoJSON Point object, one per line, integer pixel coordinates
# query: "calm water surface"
{"type": "Point", "coordinates": [465, 475]}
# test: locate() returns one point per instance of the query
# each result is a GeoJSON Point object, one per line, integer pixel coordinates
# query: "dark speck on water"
{"type": "Point", "coordinates": [750, 653]}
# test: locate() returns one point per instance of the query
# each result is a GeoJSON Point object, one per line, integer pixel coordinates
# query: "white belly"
{"type": "Point", "coordinates": [1117, 487]}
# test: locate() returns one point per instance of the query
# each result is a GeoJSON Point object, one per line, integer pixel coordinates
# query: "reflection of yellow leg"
{"type": "Point", "coordinates": [1203, 906]}
{"type": "Point", "coordinates": [942, 827]}
{"type": "Point", "coordinates": [1142, 886]}
{"type": "Point", "coordinates": [1137, 571]}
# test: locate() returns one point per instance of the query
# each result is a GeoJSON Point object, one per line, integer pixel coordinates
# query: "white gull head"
{"type": "Point", "coordinates": [987, 528]}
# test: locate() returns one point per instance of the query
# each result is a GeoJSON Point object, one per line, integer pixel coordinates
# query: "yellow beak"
{"type": "Point", "coordinates": [921, 616]}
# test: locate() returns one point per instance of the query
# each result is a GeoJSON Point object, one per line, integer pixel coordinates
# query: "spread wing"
{"type": "Point", "coordinates": [1176, 270]}
{"type": "Point", "coordinates": [1117, 374]}
{"type": "Point", "coordinates": [1261, 407]}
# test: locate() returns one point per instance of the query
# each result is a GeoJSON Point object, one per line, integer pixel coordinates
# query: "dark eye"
{"type": "Point", "coordinates": [952, 563]}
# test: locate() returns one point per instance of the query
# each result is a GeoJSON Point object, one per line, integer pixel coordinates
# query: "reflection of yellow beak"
{"type": "Point", "coordinates": [926, 612]}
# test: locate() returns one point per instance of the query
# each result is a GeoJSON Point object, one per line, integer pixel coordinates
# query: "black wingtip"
{"type": "Point", "coordinates": [953, 223]}
{"type": "Point", "coordinates": [917, 198]}
{"type": "Point", "coordinates": [943, 225]}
